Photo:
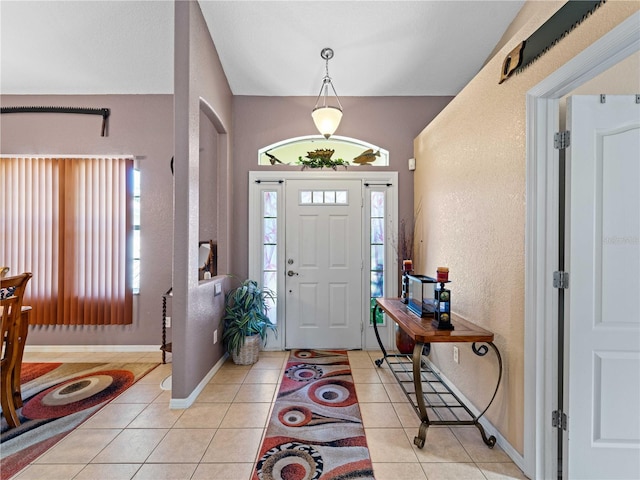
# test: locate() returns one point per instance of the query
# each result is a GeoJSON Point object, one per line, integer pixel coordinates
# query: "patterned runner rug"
{"type": "Point", "coordinates": [315, 431]}
{"type": "Point", "coordinates": [57, 397]}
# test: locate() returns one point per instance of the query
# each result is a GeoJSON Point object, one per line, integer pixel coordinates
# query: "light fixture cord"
{"type": "Point", "coordinates": [326, 81]}
{"type": "Point", "coordinates": [326, 69]}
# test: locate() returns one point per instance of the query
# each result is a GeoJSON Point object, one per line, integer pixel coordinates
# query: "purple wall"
{"type": "Point", "coordinates": [201, 90]}
{"type": "Point", "coordinates": [140, 125]}
{"type": "Point", "coordinates": [389, 122]}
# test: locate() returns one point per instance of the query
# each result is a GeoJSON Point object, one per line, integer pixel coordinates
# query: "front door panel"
{"type": "Point", "coordinates": [324, 264]}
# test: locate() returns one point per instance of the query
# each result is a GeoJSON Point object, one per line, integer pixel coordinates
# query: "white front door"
{"type": "Point", "coordinates": [323, 280]}
{"type": "Point", "coordinates": [603, 242]}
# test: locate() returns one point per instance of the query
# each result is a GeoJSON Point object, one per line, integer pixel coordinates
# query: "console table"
{"type": "Point", "coordinates": [425, 389]}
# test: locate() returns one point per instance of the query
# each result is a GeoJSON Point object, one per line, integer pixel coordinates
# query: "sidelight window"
{"type": "Point", "coordinates": [135, 280]}
{"type": "Point", "coordinates": [270, 242]}
{"type": "Point", "coordinates": [377, 249]}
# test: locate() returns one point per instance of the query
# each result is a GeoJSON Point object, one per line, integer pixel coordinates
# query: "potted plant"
{"type": "Point", "coordinates": [246, 322]}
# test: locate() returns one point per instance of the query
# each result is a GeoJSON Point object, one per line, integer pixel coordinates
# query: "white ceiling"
{"type": "Point", "coordinates": [382, 48]}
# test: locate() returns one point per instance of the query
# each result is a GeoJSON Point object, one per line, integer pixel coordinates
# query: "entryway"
{"type": "Point", "coordinates": [323, 241]}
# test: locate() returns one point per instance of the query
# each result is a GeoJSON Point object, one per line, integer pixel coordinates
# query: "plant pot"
{"type": "Point", "coordinates": [249, 352]}
{"type": "Point", "coordinates": [404, 342]}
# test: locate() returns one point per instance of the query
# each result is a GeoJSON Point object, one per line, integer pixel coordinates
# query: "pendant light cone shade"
{"type": "Point", "coordinates": [326, 119]}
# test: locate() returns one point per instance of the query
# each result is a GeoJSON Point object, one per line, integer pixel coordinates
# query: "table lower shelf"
{"type": "Point", "coordinates": [443, 406]}
{"type": "Point", "coordinates": [440, 404]}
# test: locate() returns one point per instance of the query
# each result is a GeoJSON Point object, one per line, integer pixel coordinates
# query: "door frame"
{"type": "Point", "coordinates": [541, 237]}
{"type": "Point", "coordinates": [275, 180]}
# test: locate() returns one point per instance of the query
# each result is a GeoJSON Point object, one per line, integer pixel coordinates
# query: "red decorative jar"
{"type": "Point", "coordinates": [404, 343]}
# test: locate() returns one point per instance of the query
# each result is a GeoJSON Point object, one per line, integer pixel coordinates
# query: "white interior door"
{"type": "Point", "coordinates": [603, 241]}
{"type": "Point", "coordinates": [323, 280]}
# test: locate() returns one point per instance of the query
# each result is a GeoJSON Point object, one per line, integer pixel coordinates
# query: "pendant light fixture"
{"type": "Point", "coordinates": [326, 118]}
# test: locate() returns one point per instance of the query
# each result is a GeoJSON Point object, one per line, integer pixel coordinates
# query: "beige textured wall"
{"type": "Point", "coordinates": [470, 187]}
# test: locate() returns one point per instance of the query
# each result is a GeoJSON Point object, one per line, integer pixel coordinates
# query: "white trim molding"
{"type": "Point", "coordinates": [91, 348]}
{"type": "Point", "coordinates": [182, 403]}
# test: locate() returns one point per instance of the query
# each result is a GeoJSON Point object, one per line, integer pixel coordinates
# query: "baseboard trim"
{"type": "Point", "coordinates": [182, 403]}
{"type": "Point", "coordinates": [489, 428]}
{"type": "Point", "coordinates": [91, 348]}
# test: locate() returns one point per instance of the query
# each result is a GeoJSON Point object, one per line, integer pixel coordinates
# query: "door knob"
{"type": "Point", "coordinates": [291, 273]}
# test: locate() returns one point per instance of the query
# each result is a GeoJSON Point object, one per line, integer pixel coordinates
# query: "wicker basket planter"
{"type": "Point", "coordinates": [246, 322]}
{"type": "Point", "coordinates": [249, 352]}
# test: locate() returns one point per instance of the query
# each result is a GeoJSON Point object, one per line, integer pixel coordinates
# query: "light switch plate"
{"type": "Point", "coordinates": [218, 289]}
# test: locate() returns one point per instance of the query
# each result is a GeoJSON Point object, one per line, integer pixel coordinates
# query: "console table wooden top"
{"type": "Point", "coordinates": [421, 330]}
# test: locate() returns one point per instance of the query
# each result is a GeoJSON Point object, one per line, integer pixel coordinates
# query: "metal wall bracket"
{"type": "Point", "coordinates": [103, 112]}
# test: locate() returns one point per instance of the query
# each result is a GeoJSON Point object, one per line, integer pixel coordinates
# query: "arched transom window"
{"type": "Point", "coordinates": [294, 151]}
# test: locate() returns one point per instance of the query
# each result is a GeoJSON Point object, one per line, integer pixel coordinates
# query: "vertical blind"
{"type": "Point", "coordinates": [69, 222]}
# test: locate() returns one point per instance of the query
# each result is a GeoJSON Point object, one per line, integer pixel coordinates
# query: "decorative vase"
{"type": "Point", "coordinates": [404, 343]}
{"type": "Point", "coordinates": [249, 352]}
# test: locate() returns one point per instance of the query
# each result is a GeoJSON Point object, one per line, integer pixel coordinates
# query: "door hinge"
{"type": "Point", "coordinates": [559, 420]}
{"type": "Point", "coordinates": [562, 140]}
{"type": "Point", "coordinates": [560, 279]}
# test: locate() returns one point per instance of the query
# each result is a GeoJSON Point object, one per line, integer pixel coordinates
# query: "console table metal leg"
{"type": "Point", "coordinates": [375, 330]}
{"type": "Point", "coordinates": [489, 441]}
{"type": "Point", "coordinates": [481, 351]}
{"type": "Point", "coordinates": [422, 407]}
{"type": "Point", "coordinates": [422, 435]}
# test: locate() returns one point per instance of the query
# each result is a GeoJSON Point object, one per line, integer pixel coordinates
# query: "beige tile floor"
{"type": "Point", "coordinates": [138, 437]}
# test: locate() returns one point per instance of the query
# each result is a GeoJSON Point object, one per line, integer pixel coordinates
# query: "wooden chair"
{"type": "Point", "coordinates": [13, 337]}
